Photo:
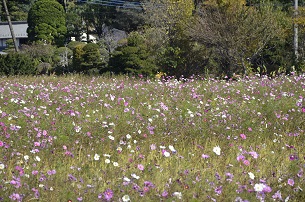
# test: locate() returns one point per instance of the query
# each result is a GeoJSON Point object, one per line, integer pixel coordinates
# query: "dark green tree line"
{"type": "Point", "coordinates": [185, 37]}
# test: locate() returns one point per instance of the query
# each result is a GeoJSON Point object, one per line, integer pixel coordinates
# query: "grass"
{"type": "Point", "coordinates": [118, 139]}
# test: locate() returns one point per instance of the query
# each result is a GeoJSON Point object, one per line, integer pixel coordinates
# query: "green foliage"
{"type": "Point", "coordinates": [78, 59]}
{"type": "Point", "coordinates": [167, 33]}
{"type": "Point", "coordinates": [129, 20]}
{"type": "Point", "coordinates": [16, 64]}
{"type": "Point", "coordinates": [92, 56]}
{"type": "Point", "coordinates": [74, 22]}
{"type": "Point", "coordinates": [87, 57]}
{"type": "Point", "coordinates": [236, 34]}
{"type": "Point", "coordinates": [133, 57]}
{"type": "Point", "coordinates": [223, 37]}
{"type": "Point", "coordinates": [39, 52]}
{"type": "Point", "coordinates": [47, 22]}
{"type": "Point", "coordinates": [10, 46]}
{"type": "Point", "coordinates": [98, 16]}
{"type": "Point", "coordinates": [62, 59]}
{"type": "Point", "coordinates": [273, 57]}
{"type": "Point", "coordinates": [72, 45]}
{"type": "Point", "coordinates": [18, 10]}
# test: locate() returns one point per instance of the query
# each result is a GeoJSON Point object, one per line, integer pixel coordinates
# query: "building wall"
{"type": "Point", "coordinates": [19, 27]}
{"type": "Point", "coordinates": [3, 43]}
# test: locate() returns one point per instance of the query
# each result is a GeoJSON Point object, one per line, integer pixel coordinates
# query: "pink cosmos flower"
{"type": "Point", "coordinates": [15, 197]}
{"type": "Point", "coordinates": [253, 154]}
{"type": "Point", "coordinates": [243, 136]}
{"type": "Point", "coordinates": [205, 156]}
{"type": "Point", "coordinates": [290, 182]}
{"type": "Point", "coordinates": [140, 167]}
{"type": "Point", "coordinates": [277, 195]}
{"type": "Point", "coordinates": [34, 172]}
{"type": "Point", "coordinates": [240, 157]}
{"type": "Point", "coordinates": [153, 147]}
{"type": "Point", "coordinates": [108, 194]}
{"type": "Point", "coordinates": [246, 162]}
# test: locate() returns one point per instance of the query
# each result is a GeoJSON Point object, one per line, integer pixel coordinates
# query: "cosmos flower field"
{"type": "Point", "coordinates": [77, 138]}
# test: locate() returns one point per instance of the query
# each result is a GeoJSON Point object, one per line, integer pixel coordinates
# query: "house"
{"type": "Point", "coordinates": [19, 28]}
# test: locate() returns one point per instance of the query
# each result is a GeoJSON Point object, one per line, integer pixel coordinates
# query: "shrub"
{"type": "Point", "coordinates": [87, 57]}
{"type": "Point", "coordinates": [16, 64]}
{"type": "Point", "coordinates": [133, 57]}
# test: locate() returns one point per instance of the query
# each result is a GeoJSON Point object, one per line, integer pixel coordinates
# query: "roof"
{"type": "Point", "coordinates": [19, 28]}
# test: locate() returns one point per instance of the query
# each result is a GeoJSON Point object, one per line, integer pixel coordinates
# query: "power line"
{"type": "Point", "coordinates": [116, 3]}
{"type": "Point", "coordinates": [122, 4]}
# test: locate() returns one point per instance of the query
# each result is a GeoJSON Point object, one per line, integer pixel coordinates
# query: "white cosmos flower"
{"type": "Point", "coordinates": [125, 198]}
{"type": "Point", "coordinates": [259, 187]}
{"type": "Point", "coordinates": [177, 194]}
{"type": "Point", "coordinates": [77, 129]}
{"type": "Point", "coordinates": [128, 136]}
{"type": "Point", "coordinates": [96, 157]}
{"type": "Point", "coordinates": [251, 175]}
{"type": "Point", "coordinates": [111, 137]}
{"type": "Point", "coordinates": [107, 161]}
{"type": "Point", "coordinates": [135, 176]}
{"type": "Point", "coordinates": [171, 147]}
{"type": "Point", "coordinates": [26, 157]}
{"type": "Point", "coordinates": [126, 179]}
{"type": "Point", "coordinates": [2, 166]}
{"type": "Point", "coordinates": [37, 158]}
{"type": "Point", "coordinates": [166, 154]}
{"type": "Point", "coordinates": [217, 150]}
{"type": "Point", "coordinates": [115, 164]}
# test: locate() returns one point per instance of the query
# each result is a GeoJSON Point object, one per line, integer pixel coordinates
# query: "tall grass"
{"type": "Point", "coordinates": [118, 139]}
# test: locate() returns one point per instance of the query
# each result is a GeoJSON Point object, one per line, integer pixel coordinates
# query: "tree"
{"type": "Point", "coordinates": [47, 22]}
{"type": "Point", "coordinates": [18, 10]}
{"type": "Point", "coordinates": [39, 52]}
{"type": "Point", "coordinates": [62, 59]}
{"type": "Point", "coordinates": [87, 58]}
{"type": "Point", "coordinates": [92, 56]}
{"type": "Point", "coordinates": [129, 20]}
{"type": "Point", "coordinates": [133, 57]}
{"type": "Point", "coordinates": [78, 58]}
{"type": "Point", "coordinates": [99, 17]}
{"type": "Point", "coordinates": [16, 64]}
{"type": "Point", "coordinates": [237, 34]}
{"type": "Point", "coordinates": [168, 22]}
{"type": "Point", "coordinates": [74, 22]}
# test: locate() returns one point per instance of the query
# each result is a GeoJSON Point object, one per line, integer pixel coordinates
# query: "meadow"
{"type": "Point", "coordinates": [78, 138]}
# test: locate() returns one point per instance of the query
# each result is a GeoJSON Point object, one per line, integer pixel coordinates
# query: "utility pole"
{"type": "Point", "coordinates": [295, 29]}
{"type": "Point", "coordinates": [10, 25]}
